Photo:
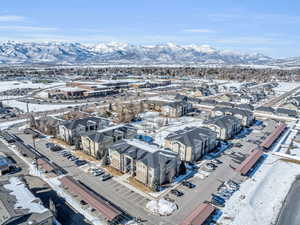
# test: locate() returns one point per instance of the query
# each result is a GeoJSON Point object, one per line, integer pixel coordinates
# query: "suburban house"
{"type": "Point", "coordinates": [97, 143]}
{"type": "Point", "coordinates": [147, 163]}
{"type": "Point", "coordinates": [225, 126]}
{"type": "Point", "coordinates": [71, 130]}
{"type": "Point", "coordinates": [245, 116]}
{"type": "Point", "coordinates": [19, 206]}
{"type": "Point", "coordinates": [191, 143]}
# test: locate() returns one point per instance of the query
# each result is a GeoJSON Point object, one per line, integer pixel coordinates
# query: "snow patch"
{"type": "Point", "coordinates": [161, 207]}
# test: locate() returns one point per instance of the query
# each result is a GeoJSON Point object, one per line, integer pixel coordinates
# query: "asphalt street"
{"type": "Point", "coordinates": [290, 212]}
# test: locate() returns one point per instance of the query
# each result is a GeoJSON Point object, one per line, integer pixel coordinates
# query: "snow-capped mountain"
{"type": "Point", "coordinates": [76, 53]}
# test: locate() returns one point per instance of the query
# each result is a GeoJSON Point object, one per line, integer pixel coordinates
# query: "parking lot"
{"type": "Point", "coordinates": [134, 203]}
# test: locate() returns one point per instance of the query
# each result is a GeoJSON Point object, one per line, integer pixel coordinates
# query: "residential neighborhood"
{"type": "Point", "coordinates": [115, 160]}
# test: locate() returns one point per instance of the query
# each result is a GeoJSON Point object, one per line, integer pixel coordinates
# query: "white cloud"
{"type": "Point", "coordinates": [11, 18]}
{"type": "Point", "coordinates": [26, 28]}
{"type": "Point", "coordinates": [198, 30]}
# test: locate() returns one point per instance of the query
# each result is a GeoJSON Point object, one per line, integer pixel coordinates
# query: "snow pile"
{"type": "Point", "coordinates": [260, 199]}
{"type": "Point", "coordinates": [161, 207]}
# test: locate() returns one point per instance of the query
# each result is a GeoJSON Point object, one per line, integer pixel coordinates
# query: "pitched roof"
{"type": "Point", "coordinates": [225, 121]}
{"type": "Point", "coordinates": [249, 162]}
{"type": "Point", "coordinates": [191, 136]}
{"type": "Point", "coordinates": [95, 201]}
{"type": "Point", "coordinates": [273, 136]}
{"type": "Point", "coordinates": [150, 155]}
{"type": "Point", "coordinates": [199, 215]}
{"type": "Point", "coordinates": [72, 124]}
{"type": "Point", "coordinates": [16, 201]}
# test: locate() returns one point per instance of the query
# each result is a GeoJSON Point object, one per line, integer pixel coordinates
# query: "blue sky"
{"type": "Point", "coordinates": [269, 27]}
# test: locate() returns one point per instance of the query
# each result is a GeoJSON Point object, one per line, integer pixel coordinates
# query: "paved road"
{"type": "Point", "coordinates": [290, 213]}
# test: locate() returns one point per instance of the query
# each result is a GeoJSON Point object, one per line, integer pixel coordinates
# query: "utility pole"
{"type": "Point", "coordinates": [33, 141]}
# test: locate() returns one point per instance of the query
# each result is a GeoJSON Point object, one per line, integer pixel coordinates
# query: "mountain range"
{"type": "Point", "coordinates": [117, 53]}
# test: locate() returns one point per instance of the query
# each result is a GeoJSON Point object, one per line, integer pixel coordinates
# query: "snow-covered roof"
{"type": "Point", "coordinates": [24, 198]}
{"type": "Point", "coordinates": [143, 145]}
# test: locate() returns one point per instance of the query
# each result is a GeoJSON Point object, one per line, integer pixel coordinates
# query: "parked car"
{"type": "Point", "coordinates": [217, 161]}
{"type": "Point", "coordinates": [177, 193]}
{"type": "Point", "coordinates": [70, 156]}
{"type": "Point", "coordinates": [106, 177]}
{"type": "Point", "coordinates": [209, 168]}
{"type": "Point", "coordinates": [217, 203]}
{"type": "Point", "coordinates": [224, 195]}
{"type": "Point", "coordinates": [233, 184]}
{"type": "Point", "coordinates": [188, 184]}
{"type": "Point", "coordinates": [74, 158]}
{"type": "Point", "coordinates": [98, 172]}
{"type": "Point", "coordinates": [67, 155]}
{"type": "Point", "coordinates": [238, 145]}
{"type": "Point", "coordinates": [211, 165]}
{"type": "Point", "coordinates": [55, 148]}
{"type": "Point", "coordinates": [80, 162]}
{"type": "Point", "coordinates": [218, 198]}
{"type": "Point", "coordinates": [49, 145]}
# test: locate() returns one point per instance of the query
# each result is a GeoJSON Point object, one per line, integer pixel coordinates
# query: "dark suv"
{"type": "Point", "coordinates": [106, 177]}
{"type": "Point", "coordinates": [188, 184]}
{"type": "Point", "coordinates": [177, 193]}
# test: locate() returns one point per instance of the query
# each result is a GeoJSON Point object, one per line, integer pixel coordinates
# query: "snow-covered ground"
{"type": "Point", "coordinates": [37, 107]}
{"type": "Point", "coordinates": [286, 86]}
{"type": "Point", "coordinates": [260, 198]}
{"type": "Point", "coordinates": [8, 85]}
{"type": "Point", "coordinates": [161, 207]}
